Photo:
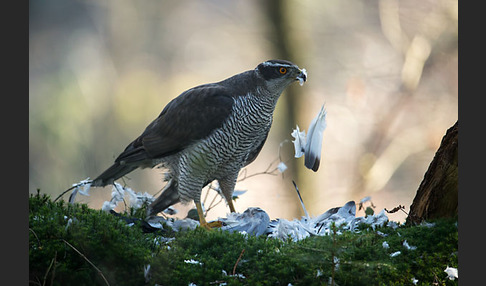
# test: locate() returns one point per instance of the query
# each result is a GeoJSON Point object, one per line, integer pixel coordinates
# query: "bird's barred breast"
{"type": "Point", "coordinates": [226, 150]}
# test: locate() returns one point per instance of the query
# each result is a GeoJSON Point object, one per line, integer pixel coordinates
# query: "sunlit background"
{"type": "Point", "coordinates": [101, 71]}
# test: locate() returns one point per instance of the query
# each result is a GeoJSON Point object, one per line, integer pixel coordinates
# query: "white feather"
{"type": "Point", "coordinates": [313, 144]}
{"type": "Point", "coordinates": [299, 142]}
{"type": "Point", "coordinates": [451, 273]}
{"type": "Point", "coordinates": [301, 79]}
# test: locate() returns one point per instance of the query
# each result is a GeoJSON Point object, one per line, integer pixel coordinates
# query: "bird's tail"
{"type": "Point", "coordinates": [168, 197]}
{"type": "Point", "coordinates": [113, 173]}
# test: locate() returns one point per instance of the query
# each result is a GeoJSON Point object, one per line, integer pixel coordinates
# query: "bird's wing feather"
{"type": "Point", "coordinates": [191, 116]}
{"type": "Point", "coordinates": [313, 143]}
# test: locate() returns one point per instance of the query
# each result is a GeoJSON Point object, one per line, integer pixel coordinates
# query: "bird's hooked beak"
{"type": "Point", "coordinates": [302, 77]}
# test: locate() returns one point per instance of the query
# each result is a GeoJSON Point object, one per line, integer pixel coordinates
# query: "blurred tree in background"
{"type": "Point", "coordinates": [101, 71]}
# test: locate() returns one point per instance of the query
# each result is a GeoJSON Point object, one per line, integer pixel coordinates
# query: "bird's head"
{"type": "Point", "coordinates": [278, 74]}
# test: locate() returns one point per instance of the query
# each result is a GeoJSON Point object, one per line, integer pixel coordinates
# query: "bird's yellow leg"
{"type": "Point", "coordinates": [231, 206]}
{"type": "Point", "coordinates": [202, 220]}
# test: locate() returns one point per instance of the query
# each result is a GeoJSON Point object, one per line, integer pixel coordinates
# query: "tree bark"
{"type": "Point", "coordinates": [437, 195]}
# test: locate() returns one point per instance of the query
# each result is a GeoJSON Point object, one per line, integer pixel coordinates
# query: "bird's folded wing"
{"type": "Point", "coordinates": [191, 116]}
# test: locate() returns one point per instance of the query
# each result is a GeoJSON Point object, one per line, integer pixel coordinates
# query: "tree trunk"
{"type": "Point", "coordinates": [280, 39]}
{"type": "Point", "coordinates": [437, 194]}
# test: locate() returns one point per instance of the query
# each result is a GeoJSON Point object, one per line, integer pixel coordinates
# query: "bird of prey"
{"type": "Point", "coordinates": [208, 133]}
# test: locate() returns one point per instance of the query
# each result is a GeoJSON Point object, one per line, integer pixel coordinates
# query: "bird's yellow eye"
{"type": "Point", "coordinates": [282, 70]}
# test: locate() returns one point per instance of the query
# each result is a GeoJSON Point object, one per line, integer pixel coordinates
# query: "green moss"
{"type": "Point", "coordinates": [121, 252]}
{"type": "Point", "coordinates": [351, 258]}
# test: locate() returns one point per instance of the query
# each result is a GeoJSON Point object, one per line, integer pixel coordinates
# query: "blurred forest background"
{"type": "Point", "coordinates": [101, 71]}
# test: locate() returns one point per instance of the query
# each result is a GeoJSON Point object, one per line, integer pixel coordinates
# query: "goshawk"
{"type": "Point", "coordinates": [208, 133]}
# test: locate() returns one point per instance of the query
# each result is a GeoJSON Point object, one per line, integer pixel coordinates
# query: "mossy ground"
{"type": "Point", "coordinates": [121, 252]}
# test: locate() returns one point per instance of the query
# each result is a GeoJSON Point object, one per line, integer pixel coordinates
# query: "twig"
{"type": "Point", "coordinates": [54, 269]}
{"type": "Point", "coordinates": [62, 194]}
{"type": "Point", "coordinates": [123, 195]}
{"type": "Point", "coordinates": [436, 279]}
{"type": "Point", "coordinates": [333, 254]}
{"type": "Point", "coordinates": [49, 269]}
{"type": "Point", "coordinates": [85, 258]}
{"type": "Point", "coordinates": [82, 183]}
{"type": "Point", "coordinates": [395, 209]}
{"type": "Point", "coordinates": [266, 172]}
{"type": "Point", "coordinates": [35, 282]}
{"type": "Point", "coordinates": [259, 173]}
{"type": "Point", "coordinates": [123, 180]}
{"type": "Point", "coordinates": [207, 193]}
{"type": "Point", "coordinates": [38, 240]}
{"type": "Point", "coordinates": [211, 205]}
{"type": "Point", "coordinates": [237, 261]}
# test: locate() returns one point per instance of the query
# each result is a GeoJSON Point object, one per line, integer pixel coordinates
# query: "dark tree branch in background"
{"type": "Point", "coordinates": [280, 38]}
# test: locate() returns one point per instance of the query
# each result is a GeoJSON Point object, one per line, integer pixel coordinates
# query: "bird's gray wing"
{"type": "Point", "coordinates": [191, 116]}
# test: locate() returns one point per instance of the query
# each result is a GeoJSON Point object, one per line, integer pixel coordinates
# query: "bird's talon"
{"type": "Point", "coordinates": [206, 226]}
{"type": "Point", "coordinates": [215, 224]}
{"type": "Point", "coordinates": [211, 225]}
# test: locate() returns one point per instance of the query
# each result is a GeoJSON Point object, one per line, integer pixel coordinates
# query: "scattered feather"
{"type": "Point", "coordinates": [284, 229]}
{"type": "Point", "coordinates": [299, 142]}
{"type": "Point", "coordinates": [381, 233]}
{"type": "Point", "coordinates": [301, 201]}
{"type": "Point", "coordinates": [392, 224]}
{"type": "Point", "coordinates": [253, 221]}
{"type": "Point", "coordinates": [81, 188]}
{"type": "Point", "coordinates": [72, 196]}
{"type": "Point", "coordinates": [192, 261]}
{"type": "Point", "coordinates": [108, 206]}
{"type": "Point", "coordinates": [314, 140]}
{"type": "Point", "coordinates": [302, 79]}
{"type": "Point", "coordinates": [310, 145]}
{"type": "Point", "coordinates": [69, 222]}
{"type": "Point", "coordinates": [365, 199]}
{"type": "Point", "coordinates": [395, 253]}
{"type": "Point", "coordinates": [336, 263]}
{"type": "Point", "coordinates": [237, 275]}
{"type": "Point", "coordinates": [146, 273]}
{"type": "Point", "coordinates": [407, 246]}
{"type": "Point", "coordinates": [451, 273]}
{"type": "Point", "coordinates": [282, 167]}
{"type": "Point", "coordinates": [170, 211]}
{"type": "Point", "coordinates": [117, 193]}
{"type": "Point", "coordinates": [85, 187]}
{"type": "Point", "coordinates": [238, 193]}
{"type": "Point", "coordinates": [385, 245]}
{"type": "Point", "coordinates": [184, 224]}
{"type": "Point", "coordinates": [428, 224]}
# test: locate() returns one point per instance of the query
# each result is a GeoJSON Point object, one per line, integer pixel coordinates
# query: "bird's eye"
{"type": "Point", "coordinates": [282, 70]}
